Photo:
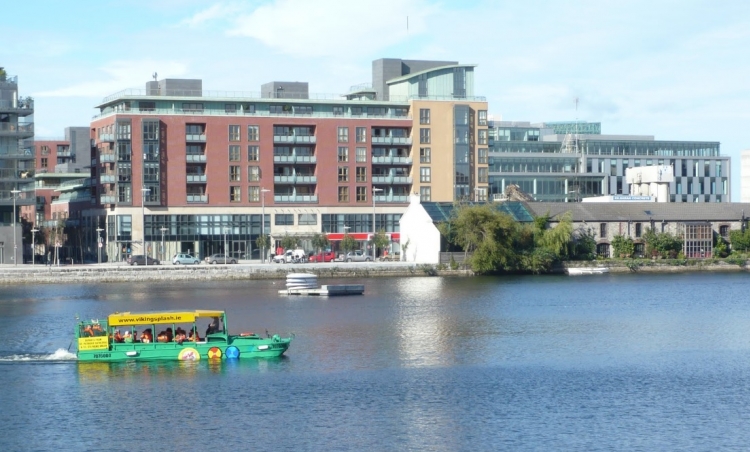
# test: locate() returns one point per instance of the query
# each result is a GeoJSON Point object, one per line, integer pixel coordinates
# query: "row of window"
{"type": "Point", "coordinates": [424, 117]}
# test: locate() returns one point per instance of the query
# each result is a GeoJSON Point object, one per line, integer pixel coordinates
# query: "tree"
{"type": "Point", "coordinates": [623, 246]}
{"type": "Point", "coordinates": [662, 243]}
{"type": "Point", "coordinates": [288, 242]}
{"type": "Point", "coordinates": [320, 241]}
{"type": "Point", "coordinates": [348, 243]}
{"type": "Point", "coordinates": [740, 240]}
{"type": "Point", "coordinates": [584, 245]}
{"type": "Point", "coordinates": [558, 239]}
{"type": "Point", "coordinates": [380, 240]}
{"type": "Point", "coordinates": [263, 242]}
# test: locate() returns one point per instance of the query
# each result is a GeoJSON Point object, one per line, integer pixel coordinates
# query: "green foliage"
{"type": "Point", "coordinates": [633, 264]}
{"type": "Point", "coordinates": [740, 240]}
{"type": "Point", "coordinates": [662, 244]}
{"type": "Point", "coordinates": [263, 242]}
{"type": "Point", "coordinates": [453, 263]}
{"type": "Point", "coordinates": [558, 239]}
{"type": "Point", "coordinates": [320, 241]}
{"type": "Point", "coordinates": [288, 242]}
{"type": "Point", "coordinates": [721, 249]}
{"type": "Point", "coordinates": [584, 245]}
{"type": "Point", "coordinates": [487, 233]}
{"type": "Point", "coordinates": [537, 260]}
{"type": "Point", "coordinates": [348, 243]}
{"type": "Point", "coordinates": [380, 240]}
{"type": "Point", "coordinates": [623, 246]}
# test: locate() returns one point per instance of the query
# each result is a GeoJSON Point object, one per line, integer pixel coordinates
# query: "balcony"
{"type": "Point", "coordinates": [106, 158]}
{"type": "Point", "coordinates": [197, 158]}
{"type": "Point", "coordinates": [202, 199]}
{"type": "Point", "coordinates": [107, 178]}
{"type": "Point", "coordinates": [391, 140]}
{"type": "Point", "coordinates": [391, 160]}
{"type": "Point", "coordinates": [107, 199]}
{"type": "Point", "coordinates": [17, 130]}
{"type": "Point", "coordinates": [21, 107]}
{"type": "Point", "coordinates": [295, 179]}
{"type": "Point", "coordinates": [195, 137]}
{"type": "Point", "coordinates": [107, 137]}
{"type": "Point", "coordinates": [389, 179]}
{"type": "Point", "coordinates": [294, 159]}
{"type": "Point", "coordinates": [308, 139]}
{"type": "Point", "coordinates": [296, 198]}
{"type": "Point", "coordinates": [196, 178]}
{"type": "Point", "coordinates": [391, 198]}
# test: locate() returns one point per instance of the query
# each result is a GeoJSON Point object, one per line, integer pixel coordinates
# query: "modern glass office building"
{"type": "Point", "coordinates": [566, 167]}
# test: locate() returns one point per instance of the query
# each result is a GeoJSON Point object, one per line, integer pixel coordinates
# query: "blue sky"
{"type": "Point", "coordinates": [678, 70]}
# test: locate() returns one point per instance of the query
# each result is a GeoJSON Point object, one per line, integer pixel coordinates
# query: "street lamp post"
{"type": "Point", "coordinates": [374, 190]}
{"type": "Point", "coordinates": [99, 242]}
{"type": "Point", "coordinates": [33, 246]}
{"type": "Point", "coordinates": [263, 192]}
{"type": "Point", "coordinates": [226, 229]}
{"type": "Point", "coordinates": [15, 193]}
{"type": "Point", "coordinates": [163, 230]}
{"type": "Point", "coordinates": [144, 191]}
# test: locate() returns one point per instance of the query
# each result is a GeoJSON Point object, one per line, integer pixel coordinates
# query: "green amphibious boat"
{"type": "Point", "coordinates": [127, 336]}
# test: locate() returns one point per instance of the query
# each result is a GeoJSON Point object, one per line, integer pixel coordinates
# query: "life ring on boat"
{"type": "Point", "coordinates": [247, 333]}
{"type": "Point", "coordinates": [232, 352]}
{"type": "Point", "coordinates": [214, 353]}
{"type": "Point", "coordinates": [189, 354]}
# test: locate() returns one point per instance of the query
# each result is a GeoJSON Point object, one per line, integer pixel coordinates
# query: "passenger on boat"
{"type": "Point", "coordinates": [127, 337]}
{"type": "Point", "coordinates": [162, 337]}
{"type": "Point", "coordinates": [169, 334]}
{"type": "Point", "coordinates": [214, 326]}
{"type": "Point", "coordinates": [147, 336]}
{"type": "Point", "coordinates": [194, 335]}
{"type": "Point", "coordinates": [93, 330]}
{"type": "Point", "coordinates": [118, 336]}
{"type": "Point", "coordinates": [135, 336]}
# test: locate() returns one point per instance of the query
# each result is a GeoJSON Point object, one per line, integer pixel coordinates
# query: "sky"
{"type": "Point", "coordinates": [677, 70]}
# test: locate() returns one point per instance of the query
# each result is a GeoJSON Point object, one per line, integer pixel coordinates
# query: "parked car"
{"type": "Point", "coordinates": [185, 259]}
{"type": "Point", "coordinates": [220, 259]}
{"type": "Point", "coordinates": [140, 259]}
{"type": "Point", "coordinates": [291, 256]}
{"type": "Point", "coordinates": [358, 256]}
{"type": "Point", "coordinates": [326, 256]}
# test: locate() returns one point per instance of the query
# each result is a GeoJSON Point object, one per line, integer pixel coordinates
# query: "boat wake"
{"type": "Point", "coordinates": [60, 355]}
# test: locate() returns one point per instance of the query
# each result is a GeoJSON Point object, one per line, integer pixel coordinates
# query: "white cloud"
{"type": "Point", "coordinates": [212, 13]}
{"type": "Point", "coordinates": [117, 75]}
{"type": "Point", "coordinates": [333, 27]}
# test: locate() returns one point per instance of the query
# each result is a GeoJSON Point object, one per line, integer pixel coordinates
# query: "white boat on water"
{"type": "Point", "coordinates": [587, 271]}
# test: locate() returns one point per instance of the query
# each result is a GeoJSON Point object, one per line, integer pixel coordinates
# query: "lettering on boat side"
{"type": "Point", "coordinates": [93, 343]}
{"type": "Point", "coordinates": [102, 355]}
{"type": "Point", "coordinates": [140, 319]}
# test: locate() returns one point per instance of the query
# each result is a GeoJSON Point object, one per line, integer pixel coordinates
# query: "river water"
{"type": "Point", "coordinates": [605, 362]}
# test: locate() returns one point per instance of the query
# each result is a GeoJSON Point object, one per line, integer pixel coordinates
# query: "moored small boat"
{"type": "Point", "coordinates": [130, 336]}
{"type": "Point", "coordinates": [587, 271]}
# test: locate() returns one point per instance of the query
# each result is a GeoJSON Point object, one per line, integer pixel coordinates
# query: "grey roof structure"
{"type": "Point", "coordinates": [642, 211]}
{"type": "Point", "coordinates": [442, 211]}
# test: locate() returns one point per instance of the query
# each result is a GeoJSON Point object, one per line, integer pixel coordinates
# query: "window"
{"type": "Point", "coordinates": [361, 134]}
{"type": "Point", "coordinates": [343, 194]}
{"type": "Point", "coordinates": [425, 175]}
{"type": "Point", "coordinates": [724, 231]}
{"type": "Point", "coordinates": [284, 219]}
{"type": "Point", "coordinates": [195, 129]}
{"type": "Point", "coordinates": [234, 153]}
{"type": "Point", "coordinates": [361, 175]}
{"type": "Point", "coordinates": [150, 130]}
{"type": "Point", "coordinates": [482, 155]}
{"type": "Point", "coordinates": [361, 194]}
{"type": "Point", "coordinates": [230, 108]}
{"type": "Point", "coordinates": [253, 194]}
{"type": "Point", "coordinates": [375, 111]}
{"type": "Point", "coordinates": [192, 107]}
{"type": "Point", "coordinates": [307, 219]}
{"type": "Point", "coordinates": [303, 110]}
{"type": "Point", "coordinates": [45, 150]}
{"type": "Point", "coordinates": [361, 155]}
{"type": "Point", "coordinates": [234, 133]}
{"type": "Point", "coordinates": [253, 133]}
{"type": "Point", "coordinates": [483, 175]}
{"type": "Point", "coordinates": [234, 173]}
{"type": "Point", "coordinates": [425, 194]}
{"type": "Point", "coordinates": [338, 111]}
{"type": "Point", "coordinates": [603, 231]}
{"type": "Point", "coordinates": [147, 106]}
{"type": "Point", "coordinates": [343, 134]}
{"type": "Point", "coordinates": [356, 111]}
{"type": "Point", "coordinates": [602, 250]}
{"type": "Point", "coordinates": [638, 229]}
{"type": "Point", "coordinates": [424, 115]}
{"type": "Point", "coordinates": [343, 154]}
{"type": "Point", "coordinates": [253, 173]}
{"type": "Point", "coordinates": [343, 174]}
{"type": "Point", "coordinates": [234, 194]}
{"type": "Point", "coordinates": [253, 153]}
{"type": "Point", "coordinates": [44, 162]}
{"type": "Point", "coordinates": [425, 155]}
{"type": "Point", "coordinates": [280, 109]}
{"type": "Point", "coordinates": [482, 117]}
{"type": "Point", "coordinates": [400, 112]}
{"type": "Point", "coordinates": [482, 136]}
{"type": "Point", "coordinates": [424, 136]}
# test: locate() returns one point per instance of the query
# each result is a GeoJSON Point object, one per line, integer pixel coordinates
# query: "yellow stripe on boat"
{"type": "Point", "coordinates": [128, 318]}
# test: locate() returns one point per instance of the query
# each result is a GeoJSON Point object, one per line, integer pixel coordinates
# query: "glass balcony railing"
{"type": "Point", "coordinates": [390, 179]}
{"type": "Point", "coordinates": [104, 158]}
{"type": "Point", "coordinates": [199, 137]}
{"type": "Point", "coordinates": [391, 160]}
{"type": "Point", "coordinates": [107, 137]}
{"type": "Point", "coordinates": [391, 140]}
{"type": "Point", "coordinates": [107, 178]}
{"type": "Point", "coordinates": [195, 157]}
{"type": "Point", "coordinates": [19, 129]}
{"type": "Point", "coordinates": [295, 179]}
{"type": "Point", "coordinates": [391, 198]}
{"type": "Point", "coordinates": [294, 159]}
{"type": "Point", "coordinates": [197, 198]}
{"type": "Point", "coordinates": [294, 139]}
{"type": "Point", "coordinates": [196, 178]}
{"type": "Point", "coordinates": [296, 198]}
{"type": "Point", "coordinates": [107, 199]}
